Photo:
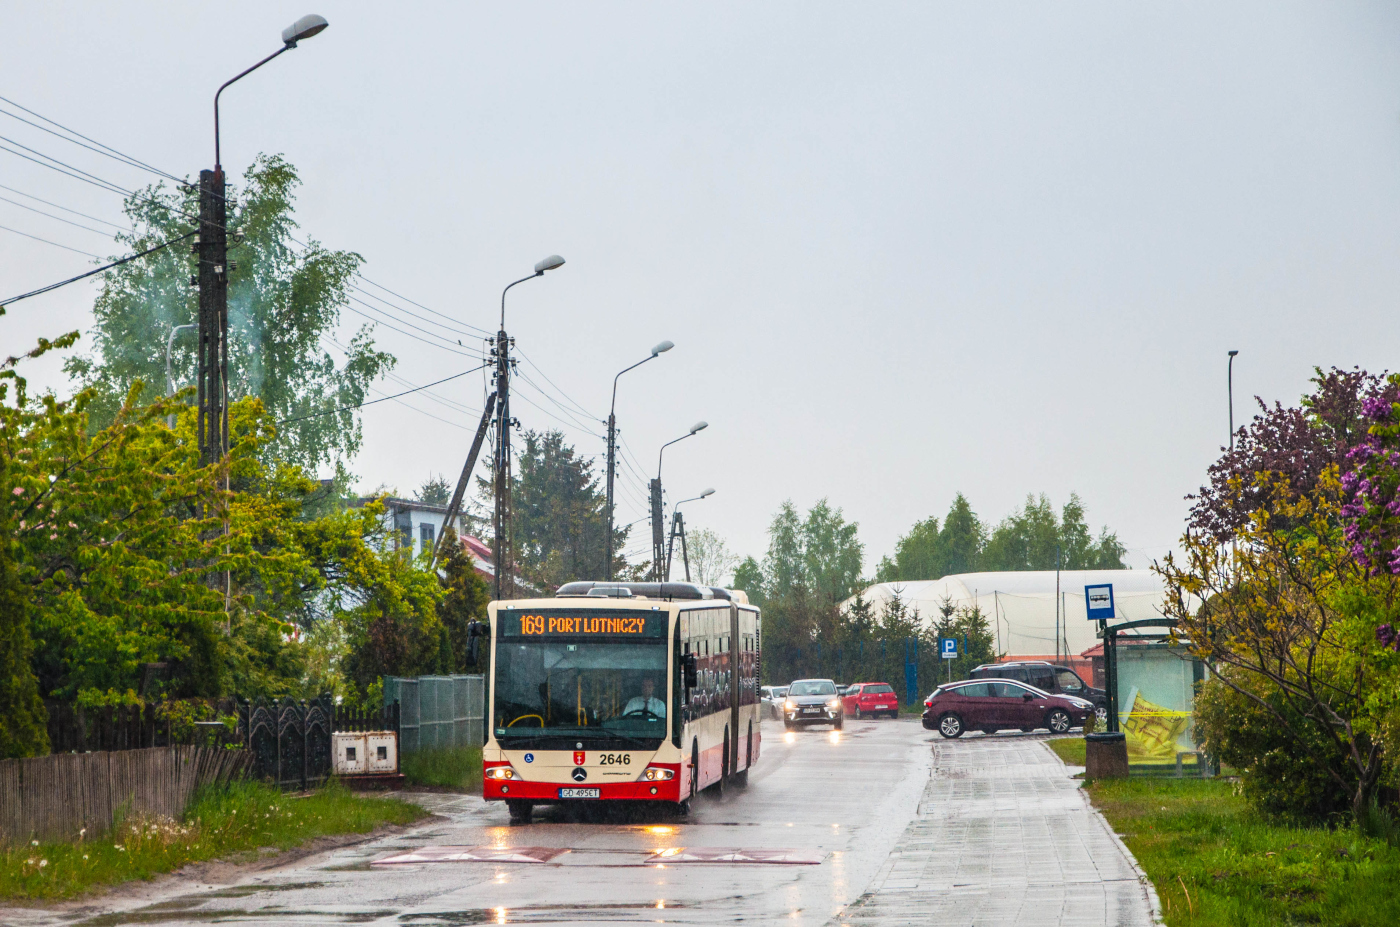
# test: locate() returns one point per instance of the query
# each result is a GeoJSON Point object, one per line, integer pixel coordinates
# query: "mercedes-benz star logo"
{"type": "Point", "coordinates": [580, 774]}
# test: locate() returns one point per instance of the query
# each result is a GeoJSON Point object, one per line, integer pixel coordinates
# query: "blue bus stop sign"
{"type": "Point", "coordinates": [948, 648]}
{"type": "Point", "coordinates": [1098, 602]}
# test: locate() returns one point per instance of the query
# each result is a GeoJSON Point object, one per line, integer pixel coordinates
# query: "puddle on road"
{"type": "Point", "coordinates": [546, 914]}
{"type": "Point", "coordinates": [149, 916]}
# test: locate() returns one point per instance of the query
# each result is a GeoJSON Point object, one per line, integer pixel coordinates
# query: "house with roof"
{"type": "Point", "coordinates": [413, 527]}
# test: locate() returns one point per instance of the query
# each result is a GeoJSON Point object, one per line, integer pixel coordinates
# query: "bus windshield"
{"type": "Point", "coordinates": [580, 689]}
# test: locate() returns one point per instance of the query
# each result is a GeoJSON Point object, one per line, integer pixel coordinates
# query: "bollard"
{"type": "Point", "coordinates": [1105, 756]}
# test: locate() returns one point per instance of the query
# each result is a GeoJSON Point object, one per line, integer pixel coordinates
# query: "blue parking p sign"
{"type": "Point", "coordinates": [948, 648]}
{"type": "Point", "coordinates": [1098, 602]}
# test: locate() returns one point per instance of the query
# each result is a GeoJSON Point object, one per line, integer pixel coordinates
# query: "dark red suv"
{"type": "Point", "coordinates": [998, 705]}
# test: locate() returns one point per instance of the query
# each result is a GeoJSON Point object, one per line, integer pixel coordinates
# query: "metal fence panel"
{"type": "Point", "coordinates": [409, 716]}
{"type": "Point", "coordinates": [459, 711]}
{"type": "Point", "coordinates": [476, 709]}
{"type": "Point", "coordinates": [438, 712]}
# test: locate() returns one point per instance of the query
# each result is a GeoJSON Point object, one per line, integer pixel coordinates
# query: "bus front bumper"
{"type": "Point", "coordinates": [520, 790]}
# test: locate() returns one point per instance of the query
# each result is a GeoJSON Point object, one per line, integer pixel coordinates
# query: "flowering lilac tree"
{"type": "Point", "coordinates": [1289, 581]}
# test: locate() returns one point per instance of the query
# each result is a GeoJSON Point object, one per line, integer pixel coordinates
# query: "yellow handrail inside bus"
{"type": "Point", "coordinates": [523, 717]}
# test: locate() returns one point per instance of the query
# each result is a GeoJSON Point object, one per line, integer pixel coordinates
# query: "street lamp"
{"type": "Point", "coordinates": [1230, 389]}
{"type": "Point", "coordinates": [658, 542]}
{"type": "Point", "coordinates": [678, 527]}
{"type": "Point", "coordinates": [212, 250]}
{"type": "Point", "coordinates": [657, 351]}
{"type": "Point", "coordinates": [169, 378]}
{"type": "Point", "coordinates": [303, 28]}
{"type": "Point", "coordinates": [503, 422]}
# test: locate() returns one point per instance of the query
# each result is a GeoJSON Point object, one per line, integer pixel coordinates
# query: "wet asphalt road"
{"type": "Point", "coordinates": [847, 797]}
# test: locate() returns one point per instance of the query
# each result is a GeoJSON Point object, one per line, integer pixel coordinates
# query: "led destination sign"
{"type": "Point", "coordinates": [575, 624]}
{"type": "Point", "coordinates": [580, 623]}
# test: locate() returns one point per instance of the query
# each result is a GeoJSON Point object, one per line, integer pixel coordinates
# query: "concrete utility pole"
{"type": "Point", "coordinates": [658, 521]}
{"type": "Point", "coordinates": [456, 503]}
{"type": "Point", "coordinates": [501, 520]}
{"type": "Point", "coordinates": [211, 248]}
{"type": "Point", "coordinates": [212, 276]}
{"type": "Point", "coordinates": [661, 348]}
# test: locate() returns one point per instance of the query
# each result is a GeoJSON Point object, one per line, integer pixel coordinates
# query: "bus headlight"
{"type": "Point", "coordinates": [656, 773]}
{"type": "Point", "coordinates": [500, 772]}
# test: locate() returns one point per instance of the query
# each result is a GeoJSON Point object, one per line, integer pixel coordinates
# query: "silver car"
{"type": "Point", "coordinates": [771, 701]}
{"type": "Point", "coordinates": [812, 701]}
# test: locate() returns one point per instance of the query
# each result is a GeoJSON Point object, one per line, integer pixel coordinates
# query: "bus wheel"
{"type": "Point", "coordinates": [520, 811]}
{"type": "Point", "coordinates": [694, 768]}
{"type": "Point", "coordinates": [740, 780]}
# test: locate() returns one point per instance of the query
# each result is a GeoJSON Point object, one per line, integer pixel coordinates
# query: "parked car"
{"type": "Point", "coordinates": [841, 688]}
{"type": "Point", "coordinates": [991, 706]}
{"type": "Point", "coordinates": [1048, 677]}
{"type": "Point", "coordinates": [870, 700]}
{"type": "Point", "coordinates": [812, 701]}
{"type": "Point", "coordinates": [771, 701]}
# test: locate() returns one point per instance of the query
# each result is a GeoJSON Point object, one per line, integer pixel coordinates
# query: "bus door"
{"type": "Point", "coordinates": [735, 686]}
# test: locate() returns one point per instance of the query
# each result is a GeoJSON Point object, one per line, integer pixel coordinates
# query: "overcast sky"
{"type": "Point", "coordinates": [903, 249]}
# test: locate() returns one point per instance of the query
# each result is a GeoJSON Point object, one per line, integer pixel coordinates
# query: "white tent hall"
{"type": "Point", "coordinates": [1021, 605]}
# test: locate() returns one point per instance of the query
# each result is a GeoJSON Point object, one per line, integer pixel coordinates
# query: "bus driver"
{"type": "Point", "coordinates": [646, 703]}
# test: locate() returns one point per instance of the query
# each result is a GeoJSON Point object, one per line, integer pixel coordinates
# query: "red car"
{"type": "Point", "coordinates": [993, 706]}
{"type": "Point", "coordinates": [870, 700]}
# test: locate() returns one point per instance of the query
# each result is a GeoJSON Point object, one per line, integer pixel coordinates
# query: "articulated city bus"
{"type": "Point", "coordinates": [621, 692]}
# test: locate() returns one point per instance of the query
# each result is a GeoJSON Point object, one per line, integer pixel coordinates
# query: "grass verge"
{"type": "Point", "coordinates": [457, 768]}
{"type": "Point", "coordinates": [1068, 749]}
{"type": "Point", "coordinates": [243, 817]}
{"type": "Point", "coordinates": [1214, 861]}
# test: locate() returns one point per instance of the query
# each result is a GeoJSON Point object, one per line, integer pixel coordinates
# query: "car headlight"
{"type": "Point", "coordinates": [500, 772]}
{"type": "Point", "coordinates": [790, 705]}
{"type": "Point", "coordinates": [833, 703]}
{"type": "Point", "coordinates": [655, 773]}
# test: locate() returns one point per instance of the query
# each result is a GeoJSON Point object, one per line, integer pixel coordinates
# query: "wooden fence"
{"type": "Point", "coordinates": [54, 797]}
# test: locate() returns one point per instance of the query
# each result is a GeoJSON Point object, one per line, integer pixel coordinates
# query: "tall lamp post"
{"type": "Point", "coordinates": [658, 528]}
{"type": "Point", "coordinates": [212, 277]}
{"type": "Point", "coordinates": [501, 521]}
{"type": "Point", "coordinates": [678, 527]}
{"type": "Point", "coordinates": [657, 351]}
{"type": "Point", "coordinates": [1230, 390]}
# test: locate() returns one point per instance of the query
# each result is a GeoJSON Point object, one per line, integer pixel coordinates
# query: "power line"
{"type": "Point", "coordinates": [93, 179]}
{"type": "Point", "coordinates": [419, 305]}
{"type": "Point", "coordinates": [575, 404]}
{"type": "Point", "coordinates": [287, 421]}
{"type": "Point", "coordinates": [125, 260]}
{"type": "Point", "coordinates": [452, 350]}
{"type": "Point", "coordinates": [451, 404]}
{"type": "Point", "coordinates": [524, 378]}
{"type": "Point", "coordinates": [397, 308]}
{"type": "Point", "coordinates": [541, 408]}
{"type": "Point", "coordinates": [54, 243]}
{"type": "Point", "coordinates": [109, 153]}
{"type": "Point", "coordinates": [75, 212]}
{"type": "Point", "coordinates": [58, 218]}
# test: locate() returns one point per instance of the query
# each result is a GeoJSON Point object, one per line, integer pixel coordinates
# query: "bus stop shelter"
{"type": "Point", "coordinates": [1151, 680]}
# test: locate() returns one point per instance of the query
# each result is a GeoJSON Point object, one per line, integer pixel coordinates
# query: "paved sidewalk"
{"type": "Point", "coordinates": [1005, 837]}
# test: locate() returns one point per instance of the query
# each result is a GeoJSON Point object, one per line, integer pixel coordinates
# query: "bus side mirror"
{"type": "Point", "coordinates": [691, 666]}
{"type": "Point", "coordinates": [476, 630]}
